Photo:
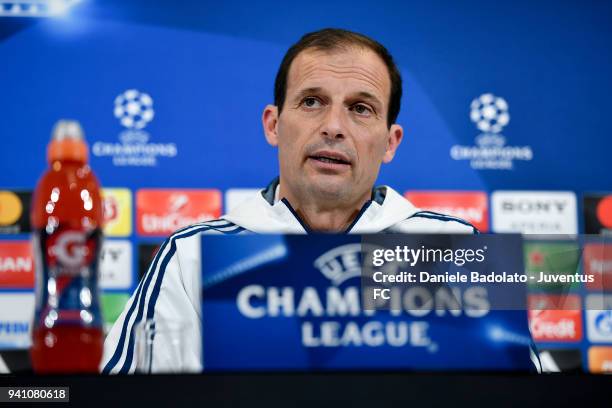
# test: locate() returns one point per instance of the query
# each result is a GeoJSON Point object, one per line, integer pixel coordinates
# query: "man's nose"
{"type": "Point", "coordinates": [334, 123]}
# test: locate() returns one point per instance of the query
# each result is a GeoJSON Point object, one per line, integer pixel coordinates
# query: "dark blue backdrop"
{"type": "Point", "coordinates": [209, 67]}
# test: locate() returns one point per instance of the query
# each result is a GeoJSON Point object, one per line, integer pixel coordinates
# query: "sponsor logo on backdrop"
{"type": "Point", "coordinates": [146, 253]}
{"type": "Point", "coordinates": [112, 305]}
{"type": "Point", "coordinates": [16, 311]}
{"type": "Point", "coordinates": [598, 214]}
{"type": "Point", "coordinates": [15, 212]}
{"type": "Point", "coordinates": [134, 111]}
{"type": "Point", "coordinates": [16, 265]}
{"type": "Point", "coordinates": [117, 212]}
{"type": "Point", "coordinates": [470, 206]}
{"type": "Point", "coordinates": [236, 196]}
{"type": "Point", "coordinates": [161, 212]}
{"type": "Point", "coordinates": [534, 212]}
{"type": "Point", "coordinates": [599, 318]}
{"type": "Point", "coordinates": [554, 318]}
{"type": "Point", "coordinates": [600, 359]}
{"type": "Point", "coordinates": [560, 360]}
{"type": "Point", "coordinates": [552, 260]}
{"type": "Point", "coordinates": [490, 114]}
{"type": "Point", "coordinates": [597, 260]}
{"type": "Point", "coordinates": [116, 264]}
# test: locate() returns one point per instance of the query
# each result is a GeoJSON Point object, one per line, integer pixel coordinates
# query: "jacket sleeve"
{"type": "Point", "coordinates": [159, 330]}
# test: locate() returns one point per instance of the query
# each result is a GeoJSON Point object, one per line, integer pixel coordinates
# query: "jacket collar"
{"type": "Point", "coordinates": [270, 193]}
{"type": "Point", "coordinates": [264, 214]}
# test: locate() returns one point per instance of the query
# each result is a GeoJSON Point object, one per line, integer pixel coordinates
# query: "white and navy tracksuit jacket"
{"type": "Point", "coordinates": [171, 288]}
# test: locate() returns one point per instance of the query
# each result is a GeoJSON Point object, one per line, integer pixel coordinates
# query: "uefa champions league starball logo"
{"type": "Point", "coordinates": [489, 113]}
{"type": "Point", "coordinates": [134, 109]}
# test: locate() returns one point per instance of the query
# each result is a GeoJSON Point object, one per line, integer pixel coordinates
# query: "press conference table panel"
{"type": "Point", "coordinates": [340, 389]}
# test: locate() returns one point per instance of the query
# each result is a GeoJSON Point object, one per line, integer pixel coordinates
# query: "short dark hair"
{"type": "Point", "coordinates": [331, 39]}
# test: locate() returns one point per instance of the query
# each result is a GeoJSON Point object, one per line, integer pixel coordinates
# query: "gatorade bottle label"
{"type": "Point", "coordinates": [69, 251]}
{"type": "Point", "coordinates": [69, 268]}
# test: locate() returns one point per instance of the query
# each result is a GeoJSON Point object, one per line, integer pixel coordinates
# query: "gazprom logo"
{"type": "Point", "coordinates": [341, 263]}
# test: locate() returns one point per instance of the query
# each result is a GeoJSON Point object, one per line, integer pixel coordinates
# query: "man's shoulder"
{"type": "Point", "coordinates": [216, 226]}
{"type": "Point", "coordinates": [405, 217]}
{"type": "Point", "coordinates": [422, 221]}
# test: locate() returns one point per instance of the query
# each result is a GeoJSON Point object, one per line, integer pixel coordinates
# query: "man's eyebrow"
{"type": "Point", "coordinates": [368, 96]}
{"type": "Point", "coordinates": [308, 91]}
{"type": "Point", "coordinates": [318, 90]}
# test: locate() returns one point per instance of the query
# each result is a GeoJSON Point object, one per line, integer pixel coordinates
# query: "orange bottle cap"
{"type": "Point", "coordinates": [67, 142]}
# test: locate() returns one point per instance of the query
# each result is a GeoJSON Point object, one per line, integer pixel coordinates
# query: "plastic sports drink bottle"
{"type": "Point", "coordinates": [67, 220]}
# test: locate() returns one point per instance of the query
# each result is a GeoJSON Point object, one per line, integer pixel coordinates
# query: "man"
{"type": "Point", "coordinates": [337, 96]}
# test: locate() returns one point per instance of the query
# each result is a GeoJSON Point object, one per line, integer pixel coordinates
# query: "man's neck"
{"type": "Point", "coordinates": [323, 218]}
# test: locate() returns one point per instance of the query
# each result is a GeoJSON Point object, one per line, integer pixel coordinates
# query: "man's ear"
{"type": "Point", "coordinates": [396, 133]}
{"type": "Point", "coordinates": [269, 119]}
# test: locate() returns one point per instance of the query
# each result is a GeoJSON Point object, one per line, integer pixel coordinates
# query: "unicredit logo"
{"type": "Point", "coordinates": [555, 317]}
{"type": "Point", "coordinates": [562, 329]}
{"type": "Point", "coordinates": [161, 212]}
{"type": "Point", "coordinates": [152, 223]}
{"type": "Point", "coordinates": [178, 202]}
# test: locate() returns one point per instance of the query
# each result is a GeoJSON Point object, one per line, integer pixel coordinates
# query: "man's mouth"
{"type": "Point", "coordinates": [330, 158]}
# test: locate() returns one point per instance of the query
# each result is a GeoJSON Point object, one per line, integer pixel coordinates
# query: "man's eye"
{"type": "Point", "coordinates": [311, 102]}
{"type": "Point", "coordinates": [361, 109]}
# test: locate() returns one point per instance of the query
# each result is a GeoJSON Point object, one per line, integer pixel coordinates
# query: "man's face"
{"type": "Point", "coordinates": [332, 134]}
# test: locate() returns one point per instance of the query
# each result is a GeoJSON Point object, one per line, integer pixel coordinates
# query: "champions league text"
{"type": "Point", "coordinates": [382, 292]}
{"type": "Point", "coordinates": [335, 317]}
{"type": "Point", "coordinates": [340, 316]}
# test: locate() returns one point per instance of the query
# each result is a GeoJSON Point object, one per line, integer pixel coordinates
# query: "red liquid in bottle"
{"type": "Point", "coordinates": [66, 219]}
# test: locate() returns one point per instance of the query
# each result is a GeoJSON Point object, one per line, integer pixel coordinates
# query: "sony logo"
{"type": "Point", "coordinates": [526, 206]}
